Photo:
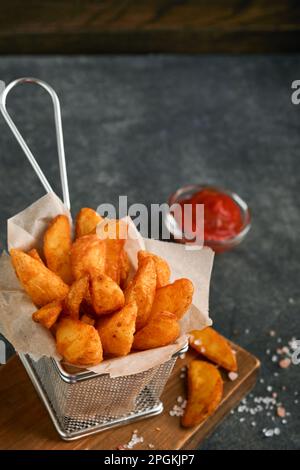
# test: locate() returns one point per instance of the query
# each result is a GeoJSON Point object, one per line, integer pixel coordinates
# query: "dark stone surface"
{"type": "Point", "coordinates": [143, 126]}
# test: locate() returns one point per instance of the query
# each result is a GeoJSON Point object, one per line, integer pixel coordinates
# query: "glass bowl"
{"type": "Point", "coordinates": [218, 246]}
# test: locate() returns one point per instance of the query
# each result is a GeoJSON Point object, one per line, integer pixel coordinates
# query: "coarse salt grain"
{"type": "Point", "coordinates": [197, 342]}
{"type": "Point", "coordinates": [233, 376]}
{"type": "Point", "coordinates": [285, 363]}
{"type": "Point", "coordinates": [182, 356]}
{"type": "Point", "coordinates": [281, 412]}
{"type": "Point", "coordinates": [272, 333]}
{"type": "Point", "coordinates": [135, 439]}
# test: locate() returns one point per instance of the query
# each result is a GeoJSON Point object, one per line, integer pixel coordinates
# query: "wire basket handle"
{"type": "Point", "coordinates": [59, 134]}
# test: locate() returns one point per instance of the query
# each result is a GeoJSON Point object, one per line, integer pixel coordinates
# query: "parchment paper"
{"type": "Point", "coordinates": [25, 231]}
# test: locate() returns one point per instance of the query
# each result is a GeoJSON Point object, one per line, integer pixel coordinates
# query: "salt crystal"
{"type": "Point", "coordinates": [197, 342]}
{"type": "Point", "coordinates": [274, 358]}
{"type": "Point", "coordinates": [233, 376]}
{"type": "Point", "coordinates": [253, 423]}
{"type": "Point", "coordinates": [151, 446]}
{"type": "Point", "coordinates": [247, 331]}
{"type": "Point", "coordinates": [182, 356]}
{"type": "Point", "coordinates": [272, 333]}
{"type": "Point", "coordinates": [269, 433]}
{"type": "Point", "coordinates": [285, 363]}
{"type": "Point", "coordinates": [279, 340]}
{"type": "Point", "coordinates": [291, 301]}
{"type": "Point", "coordinates": [269, 388]}
{"type": "Point", "coordinates": [261, 381]}
{"type": "Point", "coordinates": [179, 399]}
{"type": "Point", "coordinates": [276, 431]}
{"type": "Point", "coordinates": [242, 420]}
{"type": "Point", "coordinates": [268, 351]}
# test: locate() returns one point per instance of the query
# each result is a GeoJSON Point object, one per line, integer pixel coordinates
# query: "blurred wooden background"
{"type": "Point", "coordinates": [143, 26]}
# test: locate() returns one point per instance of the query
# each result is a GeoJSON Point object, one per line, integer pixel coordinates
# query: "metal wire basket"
{"type": "Point", "coordinates": [84, 403]}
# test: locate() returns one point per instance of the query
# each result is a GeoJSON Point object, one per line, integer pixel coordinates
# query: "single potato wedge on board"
{"type": "Point", "coordinates": [57, 247]}
{"type": "Point", "coordinates": [78, 343]}
{"type": "Point", "coordinates": [42, 285]}
{"type": "Point", "coordinates": [205, 390]}
{"type": "Point", "coordinates": [163, 271]}
{"type": "Point", "coordinates": [175, 298]}
{"type": "Point", "coordinates": [117, 331]}
{"type": "Point", "coordinates": [88, 256]}
{"type": "Point", "coordinates": [213, 346]}
{"type": "Point", "coordinates": [142, 291]}
{"type": "Point", "coordinates": [86, 222]}
{"type": "Point", "coordinates": [75, 296]}
{"type": "Point", "coordinates": [35, 255]}
{"type": "Point", "coordinates": [161, 330]}
{"type": "Point", "coordinates": [48, 314]}
{"type": "Point", "coordinates": [106, 295]}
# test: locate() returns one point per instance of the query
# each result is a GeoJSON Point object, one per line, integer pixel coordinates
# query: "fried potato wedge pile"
{"type": "Point", "coordinates": [205, 390]}
{"type": "Point", "coordinates": [90, 298]}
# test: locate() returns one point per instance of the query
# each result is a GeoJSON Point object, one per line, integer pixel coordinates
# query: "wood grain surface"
{"type": "Point", "coordinates": [25, 424]}
{"type": "Point", "coordinates": [139, 26]}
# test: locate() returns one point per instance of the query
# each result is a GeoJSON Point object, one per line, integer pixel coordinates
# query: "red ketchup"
{"type": "Point", "coordinates": [222, 215]}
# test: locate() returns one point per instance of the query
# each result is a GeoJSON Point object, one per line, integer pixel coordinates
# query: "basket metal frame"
{"type": "Point", "coordinates": [78, 377]}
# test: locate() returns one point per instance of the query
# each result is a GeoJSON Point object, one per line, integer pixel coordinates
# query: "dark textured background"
{"type": "Point", "coordinates": [143, 126]}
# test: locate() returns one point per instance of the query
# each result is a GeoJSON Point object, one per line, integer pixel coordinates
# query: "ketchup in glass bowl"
{"type": "Point", "coordinates": [227, 217]}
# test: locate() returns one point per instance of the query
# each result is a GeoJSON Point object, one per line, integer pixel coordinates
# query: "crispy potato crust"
{"type": "Point", "coordinates": [48, 314]}
{"type": "Point", "coordinates": [78, 343]}
{"type": "Point", "coordinates": [142, 291]}
{"type": "Point", "coordinates": [175, 298]}
{"type": "Point", "coordinates": [106, 295]}
{"type": "Point", "coordinates": [88, 255]}
{"type": "Point", "coordinates": [75, 296]}
{"type": "Point", "coordinates": [205, 390]}
{"type": "Point", "coordinates": [42, 285]}
{"type": "Point", "coordinates": [35, 255]}
{"type": "Point", "coordinates": [163, 271]}
{"type": "Point", "coordinates": [125, 268]}
{"type": "Point", "coordinates": [214, 347]}
{"type": "Point", "coordinates": [117, 331]}
{"type": "Point", "coordinates": [161, 330]}
{"type": "Point", "coordinates": [86, 222]}
{"type": "Point", "coordinates": [57, 247]}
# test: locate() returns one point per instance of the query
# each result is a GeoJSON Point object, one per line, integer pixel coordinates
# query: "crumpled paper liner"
{"type": "Point", "coordinates": [25, 231]}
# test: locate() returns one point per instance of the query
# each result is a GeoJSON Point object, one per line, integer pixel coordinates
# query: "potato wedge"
{"type": "Point", "coordinates": [48, 314]}
{"type": "Point", "coordinates": [175, 298]}
{"type": "Point", "coordinates": [106, 295]}
{"type": "Point", "coordinates": [86, 222]}
{"type": "Point", "coordinates": [57, 247]}
{"type": "Point", "coordinates": [214, 347]}
{"type": "Point", "coordinates": [35, 255]}
{"type": "Point", "coordinates": [75, 296]}
{"type": "Point", "coordinates": [88, 255]}
{"type": "Point", "coordinates": [115, 233]}
{"type": "Point", "coordinates": [161, 330]}
{"type": "Point", "coordinates": [117, 331]}
{"type": "Point", "coordinates": [142, 291]}
{"type": "Point", "coordinates": [125, 267]}
{"type": "Point", "coordinates": [78, 343]}
{"type": "Point", "coordinates": [42, 285]}
{"type": "Point", "coordinates": [163, 271]}
{"type": "Point", "coordinates": [205, 390]}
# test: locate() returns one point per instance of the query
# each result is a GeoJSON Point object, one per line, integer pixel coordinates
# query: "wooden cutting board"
{"type": "Point", "coordinates": [25, 423]}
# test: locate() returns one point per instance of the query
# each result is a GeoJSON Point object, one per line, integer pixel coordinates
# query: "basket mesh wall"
{"type": "Point", "coordinates": [100, 400]}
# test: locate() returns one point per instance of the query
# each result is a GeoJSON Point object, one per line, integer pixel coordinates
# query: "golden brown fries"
{"type": "Point", "coordinates": [213, 346]}
{"type": "Point", "coordinates": [175, 298]}
{"type": "Point", "coordinates": [124, 269]}
{"type": "Point", "coordinates": [106, 295]}
{"type": "Point", "coordinates": [35, 255]}
{"type": "Point", "coordinates": [142, 290]}
{"type": "Point", "coordinates": [86, 222]}
{"type": "Point", "coordinates": [163, 272]}
{"type": "Point", "coordinates": [57, 247]}
{"type": "Point", "coordinates": [161, 330]}
{"type": "Point", "coordinates": [205, 389]}
{"type": "Point", "coordinates": [88, 255]}
{"type": "Point", "coordinates": [115, 233]}
{"type": "Point", "coordinates": [48, 314]}
{"type": "Point", "coordinates": [42, 285]}
{"type": "Point", "coordinates": [78, 342]}
{"type": "Point", "coordinates": [117, 330]}
{"type": "Point", "coordinates": [75, 296]}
